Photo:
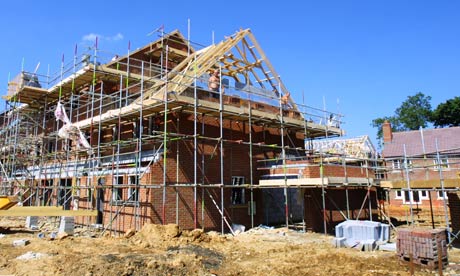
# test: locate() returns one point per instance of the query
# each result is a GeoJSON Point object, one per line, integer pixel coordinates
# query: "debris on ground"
{"type": "Point", "coordinates": [169, 250]}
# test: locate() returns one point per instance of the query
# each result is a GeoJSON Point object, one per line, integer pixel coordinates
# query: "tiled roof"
{"type": "Point", "coordinates": [448, 142]}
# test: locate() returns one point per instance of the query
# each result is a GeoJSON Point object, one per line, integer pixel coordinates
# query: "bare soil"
{"type": "Point", "coordinates": [167, 250]}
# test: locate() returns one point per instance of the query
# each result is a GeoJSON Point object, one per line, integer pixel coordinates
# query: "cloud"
{"type": "Point", "coordinates": [116, 37]}
{"type": "Point", "coordinates": [91, 37]}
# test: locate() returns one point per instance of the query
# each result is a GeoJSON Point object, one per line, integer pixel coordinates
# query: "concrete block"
{"type": "Point", "coordinates": [388, 247]}
{"type": "Point", "coordinates": [32, 222]}
{"type": "Point", "coordinates": [67, 225]}
{"type": "Point", "coordinates": [368, 245]}
{"type": "Point", "coordinates": [339, 242]}
{"type": "Point", "coordinates": [22, 242]}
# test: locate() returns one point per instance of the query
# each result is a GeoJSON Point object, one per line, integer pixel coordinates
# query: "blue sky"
{"type": "Point", "coordinates": [360, 58]}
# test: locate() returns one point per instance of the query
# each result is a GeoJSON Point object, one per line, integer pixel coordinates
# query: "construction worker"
{"type": "Point", "coordinates": [214, 84]}
{"type": "Point", "coordinates": [285, 100]}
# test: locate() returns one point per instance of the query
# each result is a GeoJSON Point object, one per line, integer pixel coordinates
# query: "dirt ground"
{"type": "Point", "coordinates": [166, 250]}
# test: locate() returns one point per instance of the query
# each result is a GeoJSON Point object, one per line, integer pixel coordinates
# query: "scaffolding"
{"type": "Point", "coordinates": [118, 134]}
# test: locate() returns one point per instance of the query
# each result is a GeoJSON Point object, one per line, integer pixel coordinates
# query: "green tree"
{"type": "Point", "coordinates": [414, 112]}
{"type": "Point", "coordinates": [447, 114]}
{"type": "Point", "coordinates": [377, 123]}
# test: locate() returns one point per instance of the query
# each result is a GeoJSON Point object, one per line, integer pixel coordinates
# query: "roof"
{"type": "Point", "coordinates": [421, 142]}
{"type": "Point", "coordinates": [358, 147]}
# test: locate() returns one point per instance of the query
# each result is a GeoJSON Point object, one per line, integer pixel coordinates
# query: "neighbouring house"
{"type": "Point", "coordinates": [147, 138]}
{"type": "Point", "coordinates": [422, 168]}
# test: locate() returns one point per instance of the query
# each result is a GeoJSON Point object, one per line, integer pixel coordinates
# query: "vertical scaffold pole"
{"type": "Point", "coordinates": [406, 168]}
{"type": "Point", "coordinates": [441, 179]}
{"type": "Point", "coordinates": [283, 153]}
{"type": "Point", "coordinates": [165, 140]}
{"type": "Point", "coordinates": [221, 132]}
{"type": "Point", "coordinates": [202, 172]}
{"type": "Point", "coordinates": [369, 189]}
{"type": "Point", "coordinates": [177, 170]}
{"type": "Point", "coordinates": [323, 192]}
{"type": "Point", "coordinates": [344, 164]}
{"type": "Point", "coordinates": [251, 176]}
{"type": "Point", "coordinates": [139, 154]}
{"type": "Point", "coordinates": [195, 150]}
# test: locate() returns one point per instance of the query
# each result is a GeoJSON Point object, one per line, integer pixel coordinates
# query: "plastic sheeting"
{"type": "Point", "coordinates": [70, 131]}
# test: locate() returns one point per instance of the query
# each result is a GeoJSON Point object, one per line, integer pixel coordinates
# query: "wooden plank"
{"type": "Point", "coordinates": [6, 202]}
{"type": "Point", "coordinates": [45, 211]}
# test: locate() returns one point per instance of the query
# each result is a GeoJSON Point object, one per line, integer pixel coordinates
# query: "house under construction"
{"type": "Point", "coordinates": [142, 139]}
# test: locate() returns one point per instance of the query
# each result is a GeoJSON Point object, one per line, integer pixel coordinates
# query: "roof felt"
{"type": "Point", "coordinates": [448, 140]}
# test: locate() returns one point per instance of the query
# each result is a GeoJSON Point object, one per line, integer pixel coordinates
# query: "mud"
{"type": "Point", "coordinates": [168, 250]}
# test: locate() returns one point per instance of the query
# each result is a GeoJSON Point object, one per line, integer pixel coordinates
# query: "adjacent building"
{"type": "Point", "coordinates": [422, 168]}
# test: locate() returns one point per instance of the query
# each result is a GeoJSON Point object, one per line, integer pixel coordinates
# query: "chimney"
{"type": "Point", "coordinates": [387, 132]}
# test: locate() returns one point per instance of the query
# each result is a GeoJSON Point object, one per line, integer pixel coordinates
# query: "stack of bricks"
{"type": "Point", "coordinates": [428, 247]}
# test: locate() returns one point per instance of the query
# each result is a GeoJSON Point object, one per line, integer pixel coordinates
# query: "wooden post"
{"type": "Point", "coordinates": [411, 264]}
{"type": "Point", "coordinates": [439, 259]}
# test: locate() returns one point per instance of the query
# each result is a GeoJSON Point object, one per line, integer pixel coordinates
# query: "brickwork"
{"type": "Point", "coordinates": [336, 206]}
{"type": "Point", "coordinates": [424, 247]}
{"type": "Point", "coordinates": [312, 170]}
{"type": "Point", "coordinates": [179, 202]}
{"type": "Point", "coordinates": [421, 169]}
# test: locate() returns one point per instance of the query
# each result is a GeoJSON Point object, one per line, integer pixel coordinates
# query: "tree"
{"type": "Point", "coordinates": [377, 123]}
{"type": "Point", "coordinates": [414, 112]}
{"type": "Point", "coordinates": [447, 114]}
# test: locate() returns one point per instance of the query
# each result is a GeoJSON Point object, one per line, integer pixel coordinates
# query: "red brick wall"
{"type": "Point", "coordinates": [421, 169]}
{"type": "Point", "coordinates": [425, 169]}
{"type": "Point", "coordinates": [236, 162]}
{"type": "Point", "coordinates": [312, 170]}
{"type": "Point", "coordinates": [336, 206]}
{"type": "Point", "coordinates": [422, 212]}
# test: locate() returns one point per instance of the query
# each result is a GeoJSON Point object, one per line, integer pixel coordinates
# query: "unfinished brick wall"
{"type": "Point", "coordinates": [179, 202]}
{"type": "Point", "coordinates": [310, 169]}
{"type": "Point", "coordinates": [336, 207]}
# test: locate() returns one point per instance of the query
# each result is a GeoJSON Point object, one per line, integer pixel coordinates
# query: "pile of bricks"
{"type": "Point", "coordinates": [428, 247]}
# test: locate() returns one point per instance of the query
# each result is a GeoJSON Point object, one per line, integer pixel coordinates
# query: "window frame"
{"type": "Point", "coordinates": [133, 189]}
{"type": "Point", "coordinates": [117, 193]}
{"type": "Point", "coordinates": [426, 196]}
{"type": "Point", "coordinates": [444, 163]}
{"type": "Point", "coordinates": [411, 198]}
{"type": "Point", "coordinates": [441, 197]}
{"type": "Point", "coordinates": [238, 194]}
{"type": "Point", "coordinates": [396, 164]}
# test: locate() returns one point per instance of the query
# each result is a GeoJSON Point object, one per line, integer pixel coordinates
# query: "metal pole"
{"type": "Point", "coordinates": [344, 164]}
{"type": "Point", "coordinates": [177, 171]}
{"type": "Point", "coordinates": [221, 130]}
{"type": "Point", "coordinates": [165, 140]}
{"type": "Point", "coordinates": [441, 179]}
{"type": "Point", "coordinates": [251, 177]}
{"type": "Point", "coordinates": [369, 187]}
{"type": "Point", "coordinates": [195, 150]}
{"type": "Point", "coordinates": [348, 202]}
{"type": "Point", "coordinates": [202, 172]}
{"type": "Point", "coordinates": [141, 132]}
{"type": "Point", "coordinates": [283, 153]}
{"type": "Point", "coordinates": [406, 167]}
{"type": "Point", "coordinates": [323, 192]}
